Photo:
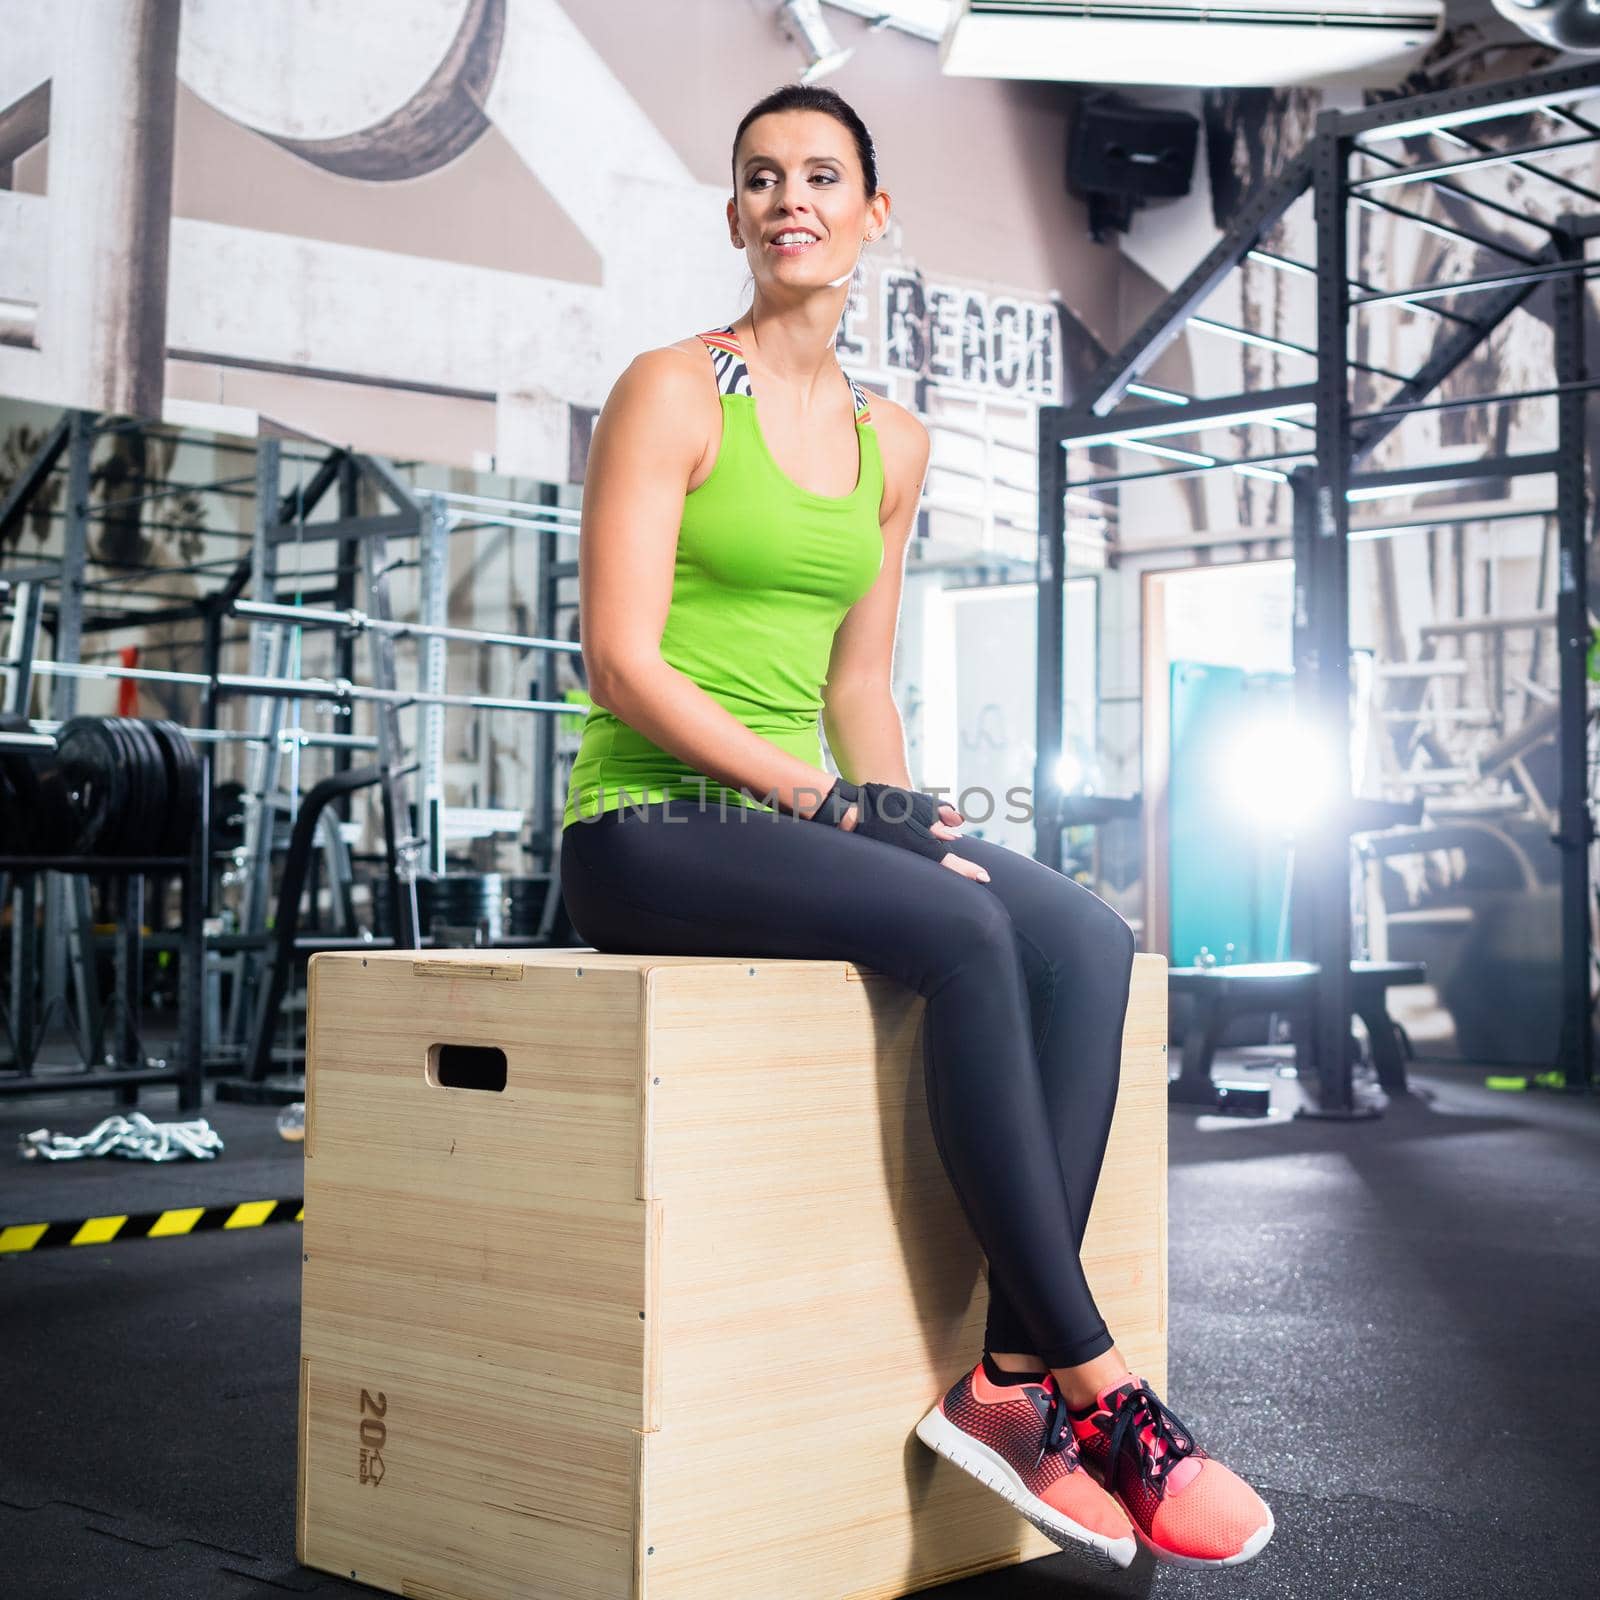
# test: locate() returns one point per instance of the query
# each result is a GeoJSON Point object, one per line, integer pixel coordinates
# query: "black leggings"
{"type": "Point", "coordinates": [1026, 979]}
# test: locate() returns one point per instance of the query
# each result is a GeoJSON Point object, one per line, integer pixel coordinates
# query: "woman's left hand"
{"type": "Point", "coordinates": [947, 828]}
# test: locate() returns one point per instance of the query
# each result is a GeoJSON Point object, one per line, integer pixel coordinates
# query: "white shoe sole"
{"type": "Point", "coordinates": [992, 1470]}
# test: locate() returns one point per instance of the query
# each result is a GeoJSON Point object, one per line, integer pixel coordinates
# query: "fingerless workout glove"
{"type": "Point", "coordinates": [897, 816]}
{"type": "Point", "coordinates": [835, 803]}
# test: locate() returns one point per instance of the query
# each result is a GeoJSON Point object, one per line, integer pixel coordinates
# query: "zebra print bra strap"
{"type": "Point", "coordinates": [733, 374]}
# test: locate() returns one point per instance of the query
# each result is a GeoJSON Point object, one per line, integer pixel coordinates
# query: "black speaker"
{"type": "Point", "coordinates": [1119, 155]}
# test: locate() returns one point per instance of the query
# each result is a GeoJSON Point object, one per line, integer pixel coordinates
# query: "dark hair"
{"type": "Point", "coordinates": [812, 97]}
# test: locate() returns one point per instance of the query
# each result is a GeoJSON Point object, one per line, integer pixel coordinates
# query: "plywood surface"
{"type": "Point", "coordinates": [631, 1317]}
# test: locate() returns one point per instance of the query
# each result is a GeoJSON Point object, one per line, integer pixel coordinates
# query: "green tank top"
{"type": "Point", "coordinates": [764, 574]}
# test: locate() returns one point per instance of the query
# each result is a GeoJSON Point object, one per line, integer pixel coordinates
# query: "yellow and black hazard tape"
{"type": "Point", "coordinates": [20, 1236]}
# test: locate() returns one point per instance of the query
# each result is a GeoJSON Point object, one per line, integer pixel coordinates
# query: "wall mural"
{"type": "Point", "coordinates": [441, 121]}
{"type": "Point", "coordinates": [331, 193]}
{"type": "Point", "coordinates": [441, 237]}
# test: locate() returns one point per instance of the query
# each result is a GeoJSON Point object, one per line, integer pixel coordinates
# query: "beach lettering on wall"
{"type": "Point", "coordinates": [959, 337]}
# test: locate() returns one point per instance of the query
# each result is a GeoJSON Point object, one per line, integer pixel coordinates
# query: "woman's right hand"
{"type": "Point", "coordinates": [957, 864]}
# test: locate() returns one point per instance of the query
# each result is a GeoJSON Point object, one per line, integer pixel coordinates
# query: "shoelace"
{"type": "Point", "coordinates": [1170, 1440]}
{"type": "Point", "coordinates": [1057, 1427]}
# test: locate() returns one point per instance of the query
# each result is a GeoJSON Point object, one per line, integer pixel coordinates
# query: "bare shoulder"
{"type": "Point", "coordinates": [904, 444]}
{"type": "Point", "coordinates": [672, 370]}
{"type": "Point", "coordinates": [899, 424]}
{"type": "Point", "coordinates": [664, 403]}
{"type": "Point", "coordinates": [691, 345]}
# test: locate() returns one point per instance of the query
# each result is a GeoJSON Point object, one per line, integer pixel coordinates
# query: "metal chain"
{"type": "Point", "coordinates": [137, 1138]}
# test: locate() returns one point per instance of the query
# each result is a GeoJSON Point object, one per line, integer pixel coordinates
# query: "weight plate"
{"type": "Point", "coordinates": [12, 818]}
{"type": "Point", "coordinates": [166, 837]}
{"type": "Point", "coordinates": [458, 900]}
{"type": "Point", "coordinates": [15, 832]}
{"type": "Point", "coordinates": [177, 833]}
{"type": "Point", "coordinates": [94, 781]}
{"type": "Point", "coordinates": [524, 906]}
{"type": "Point", "coordinates": [151, 767]}
{"type": "Point", "coordinates": [19, 786]}
{"type": "Point", "coordinates": [193, 770]}
{"type": "Point", "coordinates": [467, 900]}
{"type": "Point", "coordinates": [54, 826]}
{"type": "Point", "coordinates": [45, 825]}
{"type": "Point", "coordinates": [173, 833]}
{"type": "Point", "coordinates": [188, 787]}
{"type": "Point", "coordinates": [190, 771]}
{"type": "Point", "coordinates": [136, 833]}
{"type": "Point", "coordinates": [125, 841]}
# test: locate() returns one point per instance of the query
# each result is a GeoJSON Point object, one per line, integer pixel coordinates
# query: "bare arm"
{"type": "Point", "coordinates": [859, 714]}
{"type": "Point", "coordinates": [648, 440]}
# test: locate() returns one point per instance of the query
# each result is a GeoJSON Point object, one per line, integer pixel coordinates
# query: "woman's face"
{"type": "Point", "coordinates": [798, 174]}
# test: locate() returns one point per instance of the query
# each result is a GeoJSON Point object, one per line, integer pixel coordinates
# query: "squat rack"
{"type": "Point", "coordinates": [362, 572]}
{"type": "Point", "coordinates": [1322, 467]}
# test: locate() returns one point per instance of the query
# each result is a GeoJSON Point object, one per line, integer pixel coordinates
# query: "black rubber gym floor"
{"type": "Point", "coordinates": [1385, 1326]}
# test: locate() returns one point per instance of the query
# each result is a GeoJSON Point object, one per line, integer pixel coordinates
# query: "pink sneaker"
{"type": "Point", "coordinates": [1016, 1439]}
{"type": "Point", "coordinates": [1185, 1506]}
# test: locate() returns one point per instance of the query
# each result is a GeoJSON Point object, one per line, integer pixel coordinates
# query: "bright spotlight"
{"type": "Point", "coordinates": [1279, 772]}
{"type": "Point", "coordinates": [1069, 772]}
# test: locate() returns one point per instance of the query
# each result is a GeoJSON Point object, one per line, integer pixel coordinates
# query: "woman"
{"type": "Point", "coordinates": [701, 820]}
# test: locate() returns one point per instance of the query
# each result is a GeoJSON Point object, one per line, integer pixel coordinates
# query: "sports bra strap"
{"type": "Point", "coordinates": [733, 374]}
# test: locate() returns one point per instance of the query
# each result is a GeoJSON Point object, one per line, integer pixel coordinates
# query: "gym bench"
{"type": "Point", "coordinates": [1222, 993]}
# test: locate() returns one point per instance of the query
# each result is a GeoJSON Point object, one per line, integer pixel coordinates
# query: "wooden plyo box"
{"type": "Point", "coordinates": [654, 1317]}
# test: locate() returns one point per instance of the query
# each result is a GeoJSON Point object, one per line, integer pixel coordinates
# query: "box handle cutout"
{"type": "Point", "coordinates": [467, 1066]}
